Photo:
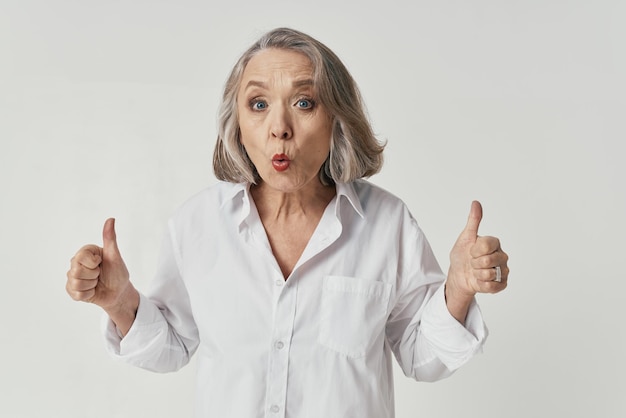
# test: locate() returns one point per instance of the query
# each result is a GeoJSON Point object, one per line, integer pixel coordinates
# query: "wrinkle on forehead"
{"type": "Point", "coordinates": [275, 66]}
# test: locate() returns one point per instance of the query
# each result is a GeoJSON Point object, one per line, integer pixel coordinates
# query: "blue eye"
{"type": "Point", "coordinates": [258, 105]}
{"type": "Point", "coordinates": [305, 104]}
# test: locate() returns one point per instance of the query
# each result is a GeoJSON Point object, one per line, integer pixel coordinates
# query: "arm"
{"type": "Point", "coordinates": [427, 340]}
{"type": "Point", "coordinates": [155, 332]}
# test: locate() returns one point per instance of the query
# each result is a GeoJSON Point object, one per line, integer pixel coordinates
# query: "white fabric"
{"type": "Point", "coordinates": [316, 345]}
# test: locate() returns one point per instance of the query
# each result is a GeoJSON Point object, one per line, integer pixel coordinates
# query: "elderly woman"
{"type": "Point", "coordinates": [293, 279]}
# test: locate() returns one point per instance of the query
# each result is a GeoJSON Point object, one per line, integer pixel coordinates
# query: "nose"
{"type": "Point", "coordinates": [281, 126]}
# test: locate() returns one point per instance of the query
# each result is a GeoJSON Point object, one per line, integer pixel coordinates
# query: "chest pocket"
{"type": "Point", "coordinates": [353, 314]}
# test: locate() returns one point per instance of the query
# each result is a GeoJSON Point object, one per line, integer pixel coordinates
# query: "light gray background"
{"type": "Point", "coordinates": [108, 108]}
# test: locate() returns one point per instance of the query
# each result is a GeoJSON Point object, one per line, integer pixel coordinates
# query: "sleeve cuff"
{"type": "Point", "coordinates": [147, 325]}
{"type": "Point", "coordinates": [452, 342]}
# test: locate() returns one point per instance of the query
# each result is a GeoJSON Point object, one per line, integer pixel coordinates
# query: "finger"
{"type": "Point", "coordinates": [484, 246]}
{"type": "Point", "coordinates": [78, 271]}
{"type": "Point", "coordinates": [88, 256]}
{"type": "Point", "coordinates": [490, 274]}
{"type": "Point", "coordinates": [474, 218]}
{"type": "Point", "coordinates": [484, 275]}
{"type": "Point", "coordinates": [84, 296]}
{"type": "Point", "coordinates": [109, 238]}
{"type": "Point", "coordinates": [491, 286]}
{"type": "Point", "coordinates": [81, 285]}
{"type": "Point", "coordinates": [488, 261]}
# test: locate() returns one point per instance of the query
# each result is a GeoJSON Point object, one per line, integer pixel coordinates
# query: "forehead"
{"type": "Point", "coordinates": [271, 63]}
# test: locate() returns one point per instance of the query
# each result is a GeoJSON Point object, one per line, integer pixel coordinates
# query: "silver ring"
{"type": "Point", "coordinates": [498, 274]}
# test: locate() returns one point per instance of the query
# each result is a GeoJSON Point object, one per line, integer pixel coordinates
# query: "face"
{"type": "Point", "coordinates": [284, 129]}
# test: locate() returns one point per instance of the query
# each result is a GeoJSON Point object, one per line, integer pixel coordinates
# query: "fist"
{"type": "Point", "coordinates": [98, 274]}
{"type": "Point", "coordinates": [473, 260]}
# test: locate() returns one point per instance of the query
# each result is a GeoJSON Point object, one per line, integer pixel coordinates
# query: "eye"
{"type": "Point", "coordinates": [258, 104]}
{"type": "Point", "coordinates": [305, 103]}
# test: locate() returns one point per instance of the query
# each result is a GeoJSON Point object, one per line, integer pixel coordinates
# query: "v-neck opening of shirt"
{"type": "Point", "coordinates": [320, 238]}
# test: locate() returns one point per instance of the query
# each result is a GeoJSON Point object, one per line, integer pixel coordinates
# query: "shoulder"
{"type": "Point", "coordinates": [210, 200]}
{"type": "Point", "coordinates": [386, 210]}
{"type": "Point", "coordinates": [374, 198]}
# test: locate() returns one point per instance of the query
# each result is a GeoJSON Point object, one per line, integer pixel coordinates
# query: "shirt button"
{"type": "Point", "coordinates": [280, 345]}
{"type": "Point", "coordinates": [280, 282]}
{"type": "Point", "coordinates": [275, 408]}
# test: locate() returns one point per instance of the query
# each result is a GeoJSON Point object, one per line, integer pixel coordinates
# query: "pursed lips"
{"type": "Point", "coordinates": [280, 162]}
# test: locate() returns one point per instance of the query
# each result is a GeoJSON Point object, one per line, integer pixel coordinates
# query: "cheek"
{"type": "Point", "coordinates": [325, 142]}
{"type": "Point", "coordinates": [246, 132]}
{"type": "Point", "coordinates": [320, 152]}
{"type": "Point", "coordinates": [326, 130]}
{"type": "Point", "coordinates": [249, 127]}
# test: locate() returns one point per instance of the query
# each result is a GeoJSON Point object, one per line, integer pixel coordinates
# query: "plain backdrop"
{"type": "Point", "coordinates": [108, 109]}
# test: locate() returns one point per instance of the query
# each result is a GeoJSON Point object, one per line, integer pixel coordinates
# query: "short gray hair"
{"type": "Point", "coordinates": [354, 150]}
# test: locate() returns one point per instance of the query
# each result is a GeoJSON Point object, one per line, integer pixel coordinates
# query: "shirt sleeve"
{"type": "Point", "coordinates": [163, 336]}
{"type": "Point", "coordinates": [453, 343]}
{"type": "Point", "coordinates": [428, 342]}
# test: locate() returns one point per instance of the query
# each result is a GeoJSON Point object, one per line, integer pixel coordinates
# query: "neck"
{"type": "Point", "coordinates": [275, 204]}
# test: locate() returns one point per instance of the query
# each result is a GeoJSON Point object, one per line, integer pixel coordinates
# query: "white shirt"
{"type": "Point", "coordinates": [315, 345]}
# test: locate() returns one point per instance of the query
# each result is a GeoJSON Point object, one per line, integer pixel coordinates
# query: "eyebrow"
{"type": "Point", "coordinates": [299, 83]}
{"type": "Point", "coordinates": [302, 83]}
{"type": "Point", "coordinates": [253, 83]}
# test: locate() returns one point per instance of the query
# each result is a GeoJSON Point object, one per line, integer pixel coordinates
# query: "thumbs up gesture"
{"type": "Point", "coordinates": [476, 262]}
{"type": "Point", "coordinates": [99, 275]}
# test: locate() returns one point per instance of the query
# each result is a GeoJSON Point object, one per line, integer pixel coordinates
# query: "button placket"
{"type": "Point", "coordinates": [284, 313]}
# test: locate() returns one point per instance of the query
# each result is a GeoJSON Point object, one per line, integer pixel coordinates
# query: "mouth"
{"type": "Point", "coordinates": [280, 162]}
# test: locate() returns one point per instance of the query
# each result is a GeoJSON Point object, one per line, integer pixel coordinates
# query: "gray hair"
{"type": "Point", "coordinates": [354, 150]}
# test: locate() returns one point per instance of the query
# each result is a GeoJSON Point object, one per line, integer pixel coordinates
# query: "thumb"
{"type": "Point", "coordinates": [109, 240]}
{"type": "Point", "coordinates": [473, 220]}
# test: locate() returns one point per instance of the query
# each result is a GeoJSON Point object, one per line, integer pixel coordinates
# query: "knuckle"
{"type": "Point", "coordinates": [483, 262]}
{"type": "Point", "coordinates": [483, 275]}
{"type": "Point", "coordinates": [482, 246]}
{"type": "Point", "coordinates": [73, 294]}
{"type": "Point", "coordinates": [73, 286]}
{"type": "Point", "coordinates": [74, 272]}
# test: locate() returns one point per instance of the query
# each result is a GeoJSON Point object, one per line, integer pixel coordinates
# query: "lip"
{"type": "Point", "coordinates": [280, 162]}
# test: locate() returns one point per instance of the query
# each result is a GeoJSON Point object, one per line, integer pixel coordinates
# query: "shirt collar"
{"type": "Point", "coordinates": [347, 190]}
{"type": "Point", "coordinates": [235, 190]}
{"type": "Point", "coordinates": [342, 189]}
{"type": "Point", "coordinates": [237, 199]}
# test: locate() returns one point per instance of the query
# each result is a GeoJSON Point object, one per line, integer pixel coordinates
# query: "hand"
{"type": "Point", "coordinates": [98, 274]}
{"type": "Point", "coordinates": [473, 260]}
